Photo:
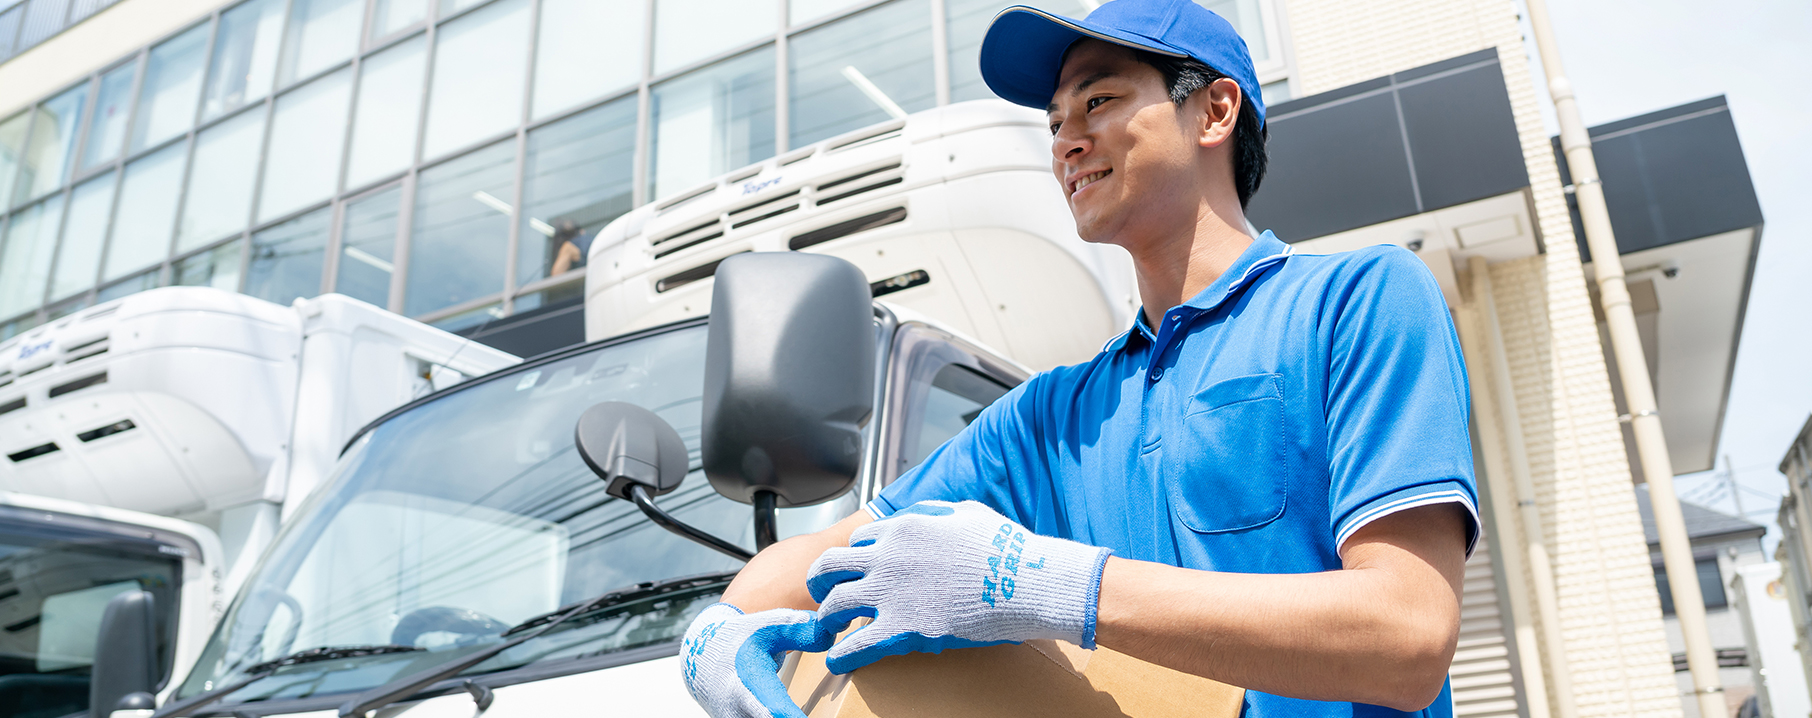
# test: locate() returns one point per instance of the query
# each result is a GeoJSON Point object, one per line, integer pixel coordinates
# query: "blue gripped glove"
{"type": "Point", "coordinates": [731, 660]}
{"type": "Point", "coordinates": [939, 575]}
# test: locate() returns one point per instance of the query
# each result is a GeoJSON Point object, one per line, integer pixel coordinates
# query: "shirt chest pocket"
{"type": "Point", "coordinates": [1226, 469]}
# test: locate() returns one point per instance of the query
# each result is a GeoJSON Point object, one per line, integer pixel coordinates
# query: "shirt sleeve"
{"type": "Point", "coordinates": [1397, 400]}
{"type": "Point", "coordinates": [971, 466]}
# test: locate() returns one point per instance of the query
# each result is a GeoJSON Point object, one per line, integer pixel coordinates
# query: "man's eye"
{"type": "Point", "coordinates": [1094, 102]}
{"type": "Point", "coordinates": [1054, 127]}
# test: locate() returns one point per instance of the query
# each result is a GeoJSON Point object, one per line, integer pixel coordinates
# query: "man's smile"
{"type": "Point", "coordinates": [1079, 183]}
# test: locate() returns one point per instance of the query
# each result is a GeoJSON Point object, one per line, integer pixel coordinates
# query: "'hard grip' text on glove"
{"type": "Point", "coordinates": [939, 575]}
{"type": "Point", "coordinates": [731, 660]}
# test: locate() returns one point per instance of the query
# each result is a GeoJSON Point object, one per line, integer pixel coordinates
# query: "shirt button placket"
{"type": "Point", "coordinates": [1167, 337]}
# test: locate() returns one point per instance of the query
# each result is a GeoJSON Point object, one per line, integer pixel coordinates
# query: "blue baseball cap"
{"type": "Point", "coordinates": [1022, 54]}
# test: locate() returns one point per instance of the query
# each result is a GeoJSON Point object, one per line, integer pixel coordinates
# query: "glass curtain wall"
{"type": "Point", "coordinates": [446, 159]}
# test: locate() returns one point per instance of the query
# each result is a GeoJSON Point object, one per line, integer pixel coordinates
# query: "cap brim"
{"type": "Point", "coordinates": [1022, 53]}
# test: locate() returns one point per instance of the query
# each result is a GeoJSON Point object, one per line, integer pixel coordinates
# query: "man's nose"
{"type": "Point", "coordinates": [1069, 144]}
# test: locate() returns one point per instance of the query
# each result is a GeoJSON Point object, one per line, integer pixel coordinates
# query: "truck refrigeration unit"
{"type": "Point", "coordinates": [466, 556]}
{"type": "Point", "coordinates": [152, 445]}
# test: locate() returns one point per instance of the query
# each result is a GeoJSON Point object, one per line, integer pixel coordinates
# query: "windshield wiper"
{"type": "Point", "coordinates": [327, 653]}
{"type": "Point", "coordinates": [260, 671]}
{"type": "Point", "coordinates": [530, 629]}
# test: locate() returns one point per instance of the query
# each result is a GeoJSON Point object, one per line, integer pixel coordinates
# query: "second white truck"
{"type": "Point", "coordinates": [152, 445]}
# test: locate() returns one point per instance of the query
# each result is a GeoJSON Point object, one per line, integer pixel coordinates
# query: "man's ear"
{"type": "Point", "coordinates": [1214, 111]}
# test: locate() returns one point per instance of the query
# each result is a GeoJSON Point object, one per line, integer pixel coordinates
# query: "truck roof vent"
{"type": "Point", "coordinates": [6, 377]}
{"type": "Point", "coordinates": [846, 228]}
{"type": "Point", "coordinates": [860, 183]}
{"type": "Point", "coordinates": [34, 452]}
{"type": "Point", "coordinates": [899, 283]}
{"type": "Point", "coordinates": [108, 430]}
{"type": "Point", "coordinates": [765, 209]}
{"type": "Point", "coordinates": [693, 235]}
{"type": "Point", "coordinates": [85, 350]}
{"type": "Point", "coordinates": [12, 406]}
{"type": "Point", "coordinates": [78, 385]}
{"type": "Point", "coordinates": [691, 275]}
{"type": "Point", "coordinates": [102, 312]}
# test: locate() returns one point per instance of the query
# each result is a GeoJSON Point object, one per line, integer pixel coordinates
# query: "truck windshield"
{"type": "Point", "coordinates": [55, 583]}
{"type": "Point", "coordinates": [470, 513]}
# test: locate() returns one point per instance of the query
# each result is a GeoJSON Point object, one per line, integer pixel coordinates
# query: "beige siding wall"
{"type": "Point", "coordinates": [1481, 672]}
{"type": "Point", "coordinates": [1610, 612]}
{"type": "Point", "coordinates": [1616, 649]}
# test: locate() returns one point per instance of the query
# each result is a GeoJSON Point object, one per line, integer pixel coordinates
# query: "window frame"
{"type": "Point", "coordinates": [918, 352]}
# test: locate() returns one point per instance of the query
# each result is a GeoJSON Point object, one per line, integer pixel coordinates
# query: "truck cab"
{"type": "Point", "coordinates": [465, 552]}
{"type": "Point", "coordinates": [63, 565]}
{"type": "Point", "coordinates": [171, 431]}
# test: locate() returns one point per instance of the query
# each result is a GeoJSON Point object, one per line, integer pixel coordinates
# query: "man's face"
{"type": "Point", "coordinates": [1124, 156]}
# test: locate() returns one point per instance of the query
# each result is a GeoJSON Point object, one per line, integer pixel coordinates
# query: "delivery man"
{"type": "Point", "coordinates": [1266, 481]}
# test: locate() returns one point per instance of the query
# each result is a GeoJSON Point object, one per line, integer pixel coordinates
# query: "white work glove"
{"type": "Point", "coordinates": [939, 575]}
{"type": "Point", "coordinates": [731, 660]}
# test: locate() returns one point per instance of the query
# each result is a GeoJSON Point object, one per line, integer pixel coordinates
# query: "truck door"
{"type": "Point", "coordinates": [57, 573]}
{"type": "Point", "coordinates": [937, 385]}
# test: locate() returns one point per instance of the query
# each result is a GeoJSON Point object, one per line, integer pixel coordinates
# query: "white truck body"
{"type": "Point", "coordinates": [962, 193]}
{"type": "Point", "coordinates": [235, 405]}
{"type": "Point", "coordinates": [961, 196]}
{"type": "Point", "coordinates": [218, 409]}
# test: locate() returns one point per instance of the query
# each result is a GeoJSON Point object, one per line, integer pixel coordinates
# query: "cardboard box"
{"type": "Point", "coordinates": [1037, 678]}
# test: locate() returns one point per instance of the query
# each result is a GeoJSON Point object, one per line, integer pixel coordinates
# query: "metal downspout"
{"type": "Point", "coordinates": [1515, 455]}
{"type": "Point", "coordinates": [1632, 366]}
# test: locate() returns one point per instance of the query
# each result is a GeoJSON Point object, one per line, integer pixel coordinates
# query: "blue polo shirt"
{"type": "Point", "coordinates": [1296, 399]}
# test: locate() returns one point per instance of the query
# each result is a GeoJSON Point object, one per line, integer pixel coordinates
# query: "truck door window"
{"type": "Point", "coordinates": [953, 396]}
{"type": "Point", "coordinates": [54, 587]}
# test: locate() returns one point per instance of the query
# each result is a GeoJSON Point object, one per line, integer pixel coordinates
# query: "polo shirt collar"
{"type": "Point", "coordinates": [1265, 251]}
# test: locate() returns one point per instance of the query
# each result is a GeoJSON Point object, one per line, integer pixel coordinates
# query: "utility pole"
{"type": "Point", "coordinates": [1632, 366]}
{"type": "Point", "coordinates": [1731, 482]}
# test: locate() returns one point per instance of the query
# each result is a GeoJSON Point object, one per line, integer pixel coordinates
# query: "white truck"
{"type": "Point", "coordinates": [465, 555]}
{"type": "Point", "coordinates": [152, 445]}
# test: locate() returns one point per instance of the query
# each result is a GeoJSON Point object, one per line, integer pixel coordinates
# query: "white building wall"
{"type": "Point", "coordinates": [1616, 650]}
{"type": "Point", "coordinates": [1725, 624]}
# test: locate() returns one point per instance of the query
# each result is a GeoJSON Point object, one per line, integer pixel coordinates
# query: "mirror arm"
{"type": "Point", "coordinates": [766, 530]}
{"type": "Point", "coordinates": [643, 501]}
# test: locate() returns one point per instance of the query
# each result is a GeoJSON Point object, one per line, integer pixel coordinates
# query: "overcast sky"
{"type": "Point", "coordinates": [1629, 57]}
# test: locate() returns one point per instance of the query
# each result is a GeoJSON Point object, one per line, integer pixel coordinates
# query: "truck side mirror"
{"type": "Point", "coordinates": [627, 445]}
{"type": "Point", "coordinates": [125, 653]}
{"type": "Point", "coordinates": [789, 380]}
{"type": "Point", "coordinates": [640, 456]}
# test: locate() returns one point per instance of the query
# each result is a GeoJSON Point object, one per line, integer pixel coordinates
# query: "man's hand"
{"type": "Point", "coordinates": [731, 660]}
{"type": "Point", "coordinates": [939, 575]}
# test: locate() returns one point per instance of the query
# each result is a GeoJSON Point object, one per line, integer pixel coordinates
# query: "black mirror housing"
{"type": "Point", "coordinates": [125, 652]}
{"type": "Point", "coordinates": [789, 377]}
{"type": "Point", "coordinates": [640, 456]}
{"type": "Point", "coordinates": [627, 445]}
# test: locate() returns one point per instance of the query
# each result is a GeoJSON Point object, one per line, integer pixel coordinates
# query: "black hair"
{"type": "Point", "coordinates": [1184, 75]}
{"type": "Point", "coordinates": [564, 231]}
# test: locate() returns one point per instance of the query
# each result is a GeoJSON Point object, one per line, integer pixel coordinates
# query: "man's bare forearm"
{"type": "Point", "coordinates": [775, 578]}
{"type": "Point", "coordinates": [1380, 631]}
